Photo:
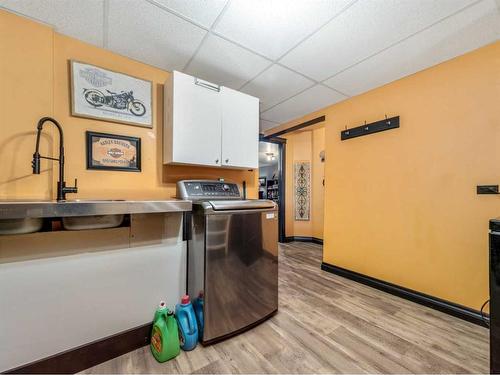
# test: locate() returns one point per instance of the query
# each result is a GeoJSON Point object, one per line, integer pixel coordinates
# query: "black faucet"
{"type": "Point", "coordinates": [62, 189]}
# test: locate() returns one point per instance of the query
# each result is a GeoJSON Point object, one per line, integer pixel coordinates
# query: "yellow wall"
{"type": "Point", "coordinates": [35, 83]}
{"type": "Point", "coordinates": [401, 205]}
{"type": "Point", "coordinates": [305, 146]}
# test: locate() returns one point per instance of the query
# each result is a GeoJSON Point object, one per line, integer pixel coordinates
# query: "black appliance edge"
{"type": "Point", "coordinates": [451, 308]}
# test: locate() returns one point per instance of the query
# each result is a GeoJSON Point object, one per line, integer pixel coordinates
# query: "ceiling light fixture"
{"type": "Point", "coordinates": [270, 156]}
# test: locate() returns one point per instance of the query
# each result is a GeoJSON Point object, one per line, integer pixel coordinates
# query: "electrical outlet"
{"type": "Point", "coordinates": [487, 189]}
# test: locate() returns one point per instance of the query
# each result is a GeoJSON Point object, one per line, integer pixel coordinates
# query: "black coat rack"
{"type": "Point", "coordinates": [374, 127]}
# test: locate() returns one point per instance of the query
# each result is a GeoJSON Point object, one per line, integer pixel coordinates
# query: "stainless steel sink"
{"type": "Point", "coordinates": [20, 226]}
{"type": "Point", "coordinates": [17, 209]}
{"type": "Point", "coordinates": [92, 200]}
{"type": "Point", "coordinates": [92, 222]}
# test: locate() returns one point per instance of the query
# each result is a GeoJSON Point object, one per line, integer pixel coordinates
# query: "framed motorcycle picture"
{"type": "Point", "coordinates": [113, 152]}
{"type": "Point", "coordinates": [102, 94]}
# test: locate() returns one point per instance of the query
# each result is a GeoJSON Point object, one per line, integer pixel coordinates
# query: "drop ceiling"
{"type": "Point", "coordinates": [297, 56]}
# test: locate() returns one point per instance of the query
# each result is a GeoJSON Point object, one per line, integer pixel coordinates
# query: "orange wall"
{"type": "Point", "coordinates": [305, 146]}
{"type": "Point", "coordinates": [26, 77]}
{"type": "Point", "coordinates": [401, 205]}
{"type": "Point", "coordinates": [317, 188]}
{"type": "Point", "coordinates": [35, 66]}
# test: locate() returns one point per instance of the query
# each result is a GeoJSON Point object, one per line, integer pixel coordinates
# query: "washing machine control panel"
{"type": "Point", "coordinates": [190, 189]}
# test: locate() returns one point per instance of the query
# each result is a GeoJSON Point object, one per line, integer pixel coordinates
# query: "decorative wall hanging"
{"type": "Point", "coordinates": [102, 94]}
{"type": "Point", "coordinates": [262, 182]}
{"type": "Point", "coordinates": [302, 188]}
{"type": "Point", "coordinates": [113, 152]}
{"type": "Point", "coordinates": [374, 127]}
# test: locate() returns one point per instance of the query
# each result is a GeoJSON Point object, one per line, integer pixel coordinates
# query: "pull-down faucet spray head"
{"type": "Point", "coordinates": [35, 163]}
{"type": "Point", "coordinates": [62, 189]}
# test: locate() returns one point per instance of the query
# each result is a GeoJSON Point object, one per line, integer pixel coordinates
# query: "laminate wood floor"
{"type": "Point", "coordinates": [328, 324]}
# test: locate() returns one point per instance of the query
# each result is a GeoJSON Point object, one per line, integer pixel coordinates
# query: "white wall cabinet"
{"type": "Point", "coordinates": [210, 125]}
{"type": "Point", "coordinates": [240, 129]}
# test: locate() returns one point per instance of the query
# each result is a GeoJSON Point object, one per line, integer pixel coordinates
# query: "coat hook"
{"type": "Point", "coordinates": [387, 122]}
{"type": "Point", "coordinates": [366, 127]}
{"type": "Point", "coordinates": [346, 131]}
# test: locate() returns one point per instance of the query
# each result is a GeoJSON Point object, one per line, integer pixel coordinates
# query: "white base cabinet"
{"type": "Point", "coordinates": [210, 125]}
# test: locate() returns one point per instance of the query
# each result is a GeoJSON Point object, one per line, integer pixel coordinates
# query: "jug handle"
{"type": "Point", "coordinates": [164, 317]}
{"type": "Point", "coordinates": [191, 323]}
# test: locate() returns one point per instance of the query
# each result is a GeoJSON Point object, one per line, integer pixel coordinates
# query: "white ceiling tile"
{"type": "Point", "coordinates": [275, 85]}
{"type": "Point", "coordinates": [272, 27]}
{"type": "Point", "coordinates": [365, 28]}
{"type": "Point", "coordinates": [266, 125]}
{"type": "Point", "coordinates": [311, 100]}
{"type": "Point", "coordinates": [80, 19]}
{"type": "Point", "coordinates": [225, 63]}
{"type": "Point", "coordinates": [203, 12]}
{"type": "Point", "coordinates": [476, 26]}
{"type": "Point", "coordinates": [147, 33]}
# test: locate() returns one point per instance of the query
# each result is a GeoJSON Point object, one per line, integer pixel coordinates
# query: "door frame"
{"type": "Point", "coordinates": [275, 138]}
{"type": "Point", "coordinates": [281, 142]}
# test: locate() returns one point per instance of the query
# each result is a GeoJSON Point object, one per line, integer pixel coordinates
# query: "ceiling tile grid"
{"type": "Point", "coordinates": [364, 29]}
{"type": "Point", "coordinates": [225, 63]}
{"type": "Point", "coordinates": [477, 25]}
{"type": "Point", "coordinates": [308, 101]}
{"type": "Point", "coordinates": [202, 12]}
{"type": "Point", "coordinates": [148, 33]}
{"type": "Point", "coordinates": [272, 27]}
{"type": "Point", "coordinates": [275, 85]}
{"type": "Point", "coordinates": [264, 125]}
{"type": "Point", "coordinates": [82, 20]}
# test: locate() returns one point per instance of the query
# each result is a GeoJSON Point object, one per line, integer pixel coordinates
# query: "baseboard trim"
{"type": "Point", "coordinates": [88, 355]}
{"type": "Point", "coordinates": [435, 303]}
{"type": "Point", "coordinates": [315, 240]}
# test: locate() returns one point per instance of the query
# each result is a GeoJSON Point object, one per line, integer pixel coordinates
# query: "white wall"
{"type": "Point", "coordinates": [55, 303]}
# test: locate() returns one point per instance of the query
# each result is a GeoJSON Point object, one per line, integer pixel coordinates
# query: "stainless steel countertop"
{"type": "Point", "coordinates": [13, 209]}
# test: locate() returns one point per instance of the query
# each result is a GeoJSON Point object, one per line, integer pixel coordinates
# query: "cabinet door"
{"type": "Point", "coordinates": [196, 118]}
{"type": "Point", "coordinates": [240, 129]}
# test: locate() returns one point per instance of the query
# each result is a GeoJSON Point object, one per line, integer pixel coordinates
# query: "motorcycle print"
{"type": "Point", "coordinates": [123, 101]}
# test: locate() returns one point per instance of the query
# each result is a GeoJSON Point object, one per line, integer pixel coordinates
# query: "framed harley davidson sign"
{"type": "Point", "coordinates": [102, 94]}
{"type": "Point", "coordinates": [113, 152]}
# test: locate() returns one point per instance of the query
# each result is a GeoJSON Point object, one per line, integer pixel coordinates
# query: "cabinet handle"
{"type": "Point", "coordinates": [216, 161]}
{"type": "Point", "coordinates": [206, 85]}
{"type": "Point", "coordinates": [227, 160]}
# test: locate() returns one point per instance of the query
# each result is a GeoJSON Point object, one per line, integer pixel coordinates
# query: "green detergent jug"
{"type": "Point", "coordinates": [165, 335]}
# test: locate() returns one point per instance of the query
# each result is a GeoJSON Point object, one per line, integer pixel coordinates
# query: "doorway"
{"type": "Point", "coordinates": [303, 180]}
{"type": "Point", "coordinates": [272, 177]}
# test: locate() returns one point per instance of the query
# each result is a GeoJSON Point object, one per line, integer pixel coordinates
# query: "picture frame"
{"type": "Point", "coordinates": [262, 182]}
{"type": "Point", "coordinates": [102, 94]}
{"type": "Point", "coordinates": [113, 152]}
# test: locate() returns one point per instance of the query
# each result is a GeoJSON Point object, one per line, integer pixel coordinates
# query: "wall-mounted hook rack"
{"type": "Point", "coordinates": [374, 127]}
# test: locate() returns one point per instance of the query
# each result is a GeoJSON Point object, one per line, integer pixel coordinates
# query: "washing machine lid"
{"type": "Point", "coordinates": [247, 204]}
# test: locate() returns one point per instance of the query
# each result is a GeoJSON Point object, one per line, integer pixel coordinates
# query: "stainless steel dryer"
{"type": "Point", "coordinates": [232, 257]}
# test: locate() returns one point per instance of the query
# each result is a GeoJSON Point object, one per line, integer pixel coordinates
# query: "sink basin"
{"type": "Point", "coordinates": [92, 222]}
{"type": "Point", "coordinates": [20, 226]}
